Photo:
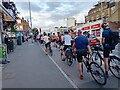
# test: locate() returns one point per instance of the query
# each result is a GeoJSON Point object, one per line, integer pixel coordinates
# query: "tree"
{"type": "Point", "coordinates": [35, 31]}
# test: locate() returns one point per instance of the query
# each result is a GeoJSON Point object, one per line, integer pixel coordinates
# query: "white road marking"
{"type": "Point", "coordinates": [70, 81]}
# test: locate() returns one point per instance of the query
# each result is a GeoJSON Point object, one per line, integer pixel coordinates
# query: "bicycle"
{"type": "Point", "coordinates": [69, 56]}
{"type": "Point", "coordinates": [95, 70]}
{"type": "Point", "coordinates": [114, 61]}
{"type": "Point", "coordinates": [50, 49]}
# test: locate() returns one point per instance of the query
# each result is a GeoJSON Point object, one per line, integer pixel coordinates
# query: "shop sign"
{"type": "Point", "coordinates": [86, 28]}
{"type": "Point", "coordinates": [95, 26]}
{"type": "Point", "coordinates": [7, 18]}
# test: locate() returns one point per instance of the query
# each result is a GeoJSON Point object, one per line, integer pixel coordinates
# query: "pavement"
{"type": "Point", "coordinates": [31, 68]}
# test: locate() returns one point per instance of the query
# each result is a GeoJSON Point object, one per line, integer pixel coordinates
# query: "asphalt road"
{"type": "Point", "coordinates": [88, 81]}
{"type": "Point", "coordinates": [31, 68]}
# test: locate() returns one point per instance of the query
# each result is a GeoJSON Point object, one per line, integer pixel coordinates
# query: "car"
{"type": "Point", "coordinates": [93, 40]}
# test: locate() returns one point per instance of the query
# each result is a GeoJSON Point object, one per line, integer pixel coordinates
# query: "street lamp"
{"type": "Point", "coordinates": [30, 15]}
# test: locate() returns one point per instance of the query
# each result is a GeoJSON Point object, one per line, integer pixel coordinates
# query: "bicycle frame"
{"type": "Point", "coordinates": [99, 55]}
{"type": "Point", "coordinates": [94, 73]}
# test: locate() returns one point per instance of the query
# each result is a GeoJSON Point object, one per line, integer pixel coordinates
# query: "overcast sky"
{"type": "Point", "coordinates": [51, 13]}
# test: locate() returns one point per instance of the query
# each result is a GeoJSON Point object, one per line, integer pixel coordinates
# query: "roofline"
{"type": "Point", "coordinates": [6, 11]}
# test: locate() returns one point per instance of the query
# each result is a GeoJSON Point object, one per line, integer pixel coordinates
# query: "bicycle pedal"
{"type": "Point", "coordinates": [88, 69]}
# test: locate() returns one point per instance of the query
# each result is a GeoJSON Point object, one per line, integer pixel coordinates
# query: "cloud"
{"type": "Point", "coordinates": [68, 10]}
{"type": "Point", "coordinates": [53, 5]}
{"type": "Point", "coordinates": [57, 0]}
{"type": "Point", "coordinates": [47, 14]}
{"type": "Point", "coordinates": [25, 6]}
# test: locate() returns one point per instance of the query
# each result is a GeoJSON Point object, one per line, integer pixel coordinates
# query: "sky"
{"type": "Point", "coordinates": [53, 13]}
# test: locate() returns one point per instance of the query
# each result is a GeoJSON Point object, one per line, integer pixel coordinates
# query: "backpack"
{"type": "Point", "coordinates": [114, 38]}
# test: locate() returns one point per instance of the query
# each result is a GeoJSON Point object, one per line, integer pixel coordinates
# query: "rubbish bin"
{"type": "Point", "coordinates": [23, 39]}
{"type": "Point", "coordinates": [10, 45]}
{"type": "Point", "coordinates": [19, 41]}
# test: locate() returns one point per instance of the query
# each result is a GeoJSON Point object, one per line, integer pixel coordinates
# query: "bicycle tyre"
{"type": "Point", "coordinates": [69, 61]}
{"type": "Point", "coordinates": [98, 74]}
{"type": "Point", "coordinates": [61, 56]}
{"type": "Point", "coordinates": [96, 58]}
{"type": "Point", "coordinates": [51, 52]}
{"type": "Point", "coordinates": [115, 67]}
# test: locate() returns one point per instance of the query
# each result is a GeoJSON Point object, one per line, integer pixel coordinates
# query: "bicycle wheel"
{"type": "Point", "coordinates": [114, 66]}
{"type": "Point", "coordinates": [69, 61]}
{"type": "Point", "coordinates": [51, 52]}
{"type": "Point", "coordinates": [96, 58]}
{"type": "Point", "coordinates": [62, 57]}
{"type": "Point", "coordinates": [97, 73]}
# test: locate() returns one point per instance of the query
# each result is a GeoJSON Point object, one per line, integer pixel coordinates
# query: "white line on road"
{"type": "Point", "coordinates": [71, 82]}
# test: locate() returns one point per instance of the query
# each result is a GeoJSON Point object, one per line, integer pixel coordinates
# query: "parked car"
{"type": "Point", "coordinates": [93, 40]}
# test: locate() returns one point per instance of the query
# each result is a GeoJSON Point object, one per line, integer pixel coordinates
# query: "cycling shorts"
{"type": "Point", "coordinates": [47, 45]}
{"type": "Point", "coordinates": [66, 46]}
{"type": "Point", "coordinates": [80, 53]}
{"type": "Point", "coordinates": [106, 52]}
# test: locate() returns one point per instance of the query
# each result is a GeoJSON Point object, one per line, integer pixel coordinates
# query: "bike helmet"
{"type": "Point", "coordinates": [65, 31]}
{"type": "Point", "coordinates": [105, 25]}
{"type": "Point", "coordinates": [79, 31]}
{"type": "Point", "coordinates": [85, 32]}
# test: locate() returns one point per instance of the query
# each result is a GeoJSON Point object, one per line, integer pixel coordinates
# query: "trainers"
{"type": "Point", "coordinates": [81, 77]}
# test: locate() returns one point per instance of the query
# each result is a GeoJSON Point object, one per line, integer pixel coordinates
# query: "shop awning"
{"type": "Point", "coordinates": [8, 15]}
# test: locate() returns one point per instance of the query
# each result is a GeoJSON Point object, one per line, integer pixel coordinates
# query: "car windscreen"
{"type": "Point", "coordinates": [92, 36]}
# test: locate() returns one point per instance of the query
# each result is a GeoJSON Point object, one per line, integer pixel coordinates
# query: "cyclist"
{"type": "Point", "coordinates": [47, 42]}
{"type": "Point", "coordinates": [67, 42]}
{"type": "Point", "coordinates": [54, 38]}
{"type": "Point", "coordinates": [105, 41]}
{"type": "Point", "coordinates": [81, 45]}
{"type": "Point", "coordinates": [59, 39]}
{"type": "Point", "coordinates": [41, 39]}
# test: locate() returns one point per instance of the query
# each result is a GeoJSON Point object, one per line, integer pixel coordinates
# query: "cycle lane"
{"type": "Point", "coordinates": [31, 68]}
{"type": "Point", "coordinates": [88, 81]}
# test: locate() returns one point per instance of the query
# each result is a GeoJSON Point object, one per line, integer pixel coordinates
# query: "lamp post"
{"type": "Point", "coordinates": [30, 15]}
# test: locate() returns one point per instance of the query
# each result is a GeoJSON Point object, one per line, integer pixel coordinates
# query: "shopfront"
{"type": "Point", "coordinates": [93, 28]}
{"type": "Point", "coordinates": [1, 28]}
{"type": "Point", "coordinates": [96, 29]}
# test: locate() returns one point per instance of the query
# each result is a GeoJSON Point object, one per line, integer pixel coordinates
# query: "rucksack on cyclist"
{"type": "Point", "coordinates": [114, 38]}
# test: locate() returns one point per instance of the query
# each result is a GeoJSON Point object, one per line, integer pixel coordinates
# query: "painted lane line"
{"type": "Point", "coordinates": [70, 81]}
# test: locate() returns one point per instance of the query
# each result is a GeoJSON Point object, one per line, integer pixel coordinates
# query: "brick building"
{"type": "Point", "coordinates": [107, 11]}
{"type": "Point", "coordinates": [22, 25]}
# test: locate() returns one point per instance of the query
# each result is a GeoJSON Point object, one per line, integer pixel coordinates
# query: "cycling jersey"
{"type": "Point", "coordinates": [59, 37]}
{"type": "Point", "coordinates": [81, 42]}
{"type": "Point", "coordinates": [54, 37]}
{"type": "Point", "coordinates": [46, 39]}
{"type": "Point", "coordinates": [67, 39]}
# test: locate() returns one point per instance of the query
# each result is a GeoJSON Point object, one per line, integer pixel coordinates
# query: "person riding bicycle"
{"type": "Point", "coordinates": [47, 42]}
{"type": "Point", "coordinates": [105, 41]}
{"type": "Point", "coordinates": [59, 39]}
{"type": "Point", "coordinates": [41, 39]}
{"type": "Point", "coordinates": [81, 45]}
{"type": "Point", "coordinates": [67, 42]}
{"type": "Point", "coordinates": [54, 38]}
